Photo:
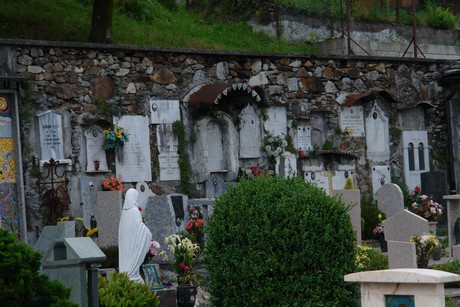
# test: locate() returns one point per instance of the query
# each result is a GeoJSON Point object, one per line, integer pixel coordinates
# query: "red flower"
{"type": "Point", "coordinates": [301, 154]}
{"type": "Point", "coordinates": [184, 267]}
{"type": "Point", "coordinates": [417, 189]}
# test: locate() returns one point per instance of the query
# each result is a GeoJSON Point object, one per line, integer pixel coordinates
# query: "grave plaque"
{"type": "Point", "coordinates": [339, 178]}
{"type": "Point", "coordinates": [89, 186]}
{"type": "Point", "coordinates": [380, 176]}
{"type": "Point", "coordinates": [133, 160]}
{"type": "Point", "coordinates": [377, 136]}
{"type": "Point", "coordinates": [164, 111]}
{"type": "Point", "coordinates": [353, 118]}
{"type": "Point", "coordinates": [303, 138]}
{"type": "Point", "coordinates": [168, 156]}
{"type": "Point", "coordinates": [178, 206]}
{"type": "Point", "coordinates": [317, 177]}
{"type": "Point", "coordinates": [276, 124]}
{"type": "Point", "coordinates": [250, 140]}
{"type": "Point", "coordinates": [144, 193]}
{"type": "Point", "coordinates": [94, 152]}
{"type": "Point", "coordinates": [51, 137]}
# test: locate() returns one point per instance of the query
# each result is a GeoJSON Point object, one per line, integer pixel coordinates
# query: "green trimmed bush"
{"type": "Point", "coordinates": [119, 290]}
{"type": "Point", "coordinates": [278, 242]}
{"type": "Point", "coordinates": [369, 213]}
{"type": "Point", "coordinates": [111, 252]}
{"type": "Point", "coordinates": [442, 18]}
{"type": "Point", "coordinates": [21, 283]}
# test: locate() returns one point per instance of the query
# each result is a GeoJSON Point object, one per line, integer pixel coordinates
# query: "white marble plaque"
{"type": "Point", "coordinates": [164, 111]}
{"type": "Point", "coordinates": [415, 155]}
{"type": "Point", "coordinates": [51, 139]}
{"type": "Point", "coordinates": [286, 165]}
{"type": "Point", "coordinates": [380, 175]}
{"type": "Point", "coordinates": [133, 160]}
{"type": "Point", "coordinates": [339, 178]}
{"type": "Point", "coordinates": [352, 117]}
{"type": "Point", "coordinates": [319, 179]}
{"type": "Point", "coordinates": [377, 136]}
{"type": "Point", "coordinates": [168, 156]}
{"type": "Point", "coordinates": [276, 124]}
{"type": "Point", "coordinates": [303, 138]}
{"type": "Point", "coordinates": [214, 140]}
{"type": "Point", "coordinates": [94, 152]}
{"type": "Point", "coordinates": [250, 140]}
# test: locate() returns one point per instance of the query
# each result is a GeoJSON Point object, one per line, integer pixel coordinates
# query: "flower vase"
{"type": "Point", "coordinates": [383, 242]}
{"type": "Point", "coordinates": [186, 295]}
{"type": "Point", "coordinates": [422, 262]}
{"type": "Point", "coordinates": [437, 254]}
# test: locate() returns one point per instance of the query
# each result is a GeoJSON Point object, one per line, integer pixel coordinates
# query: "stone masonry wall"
{"type": "Point", "coordinates": [86, 81]}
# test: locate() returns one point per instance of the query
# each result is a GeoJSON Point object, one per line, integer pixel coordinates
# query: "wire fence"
{"type": "Point", "coordinates": [364, 27]}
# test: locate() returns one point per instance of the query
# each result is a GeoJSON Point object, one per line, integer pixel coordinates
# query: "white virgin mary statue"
{"type": "Point", "coordinates": [134, 237]}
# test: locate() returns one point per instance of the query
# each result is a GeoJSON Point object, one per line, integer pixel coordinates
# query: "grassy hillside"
{"type": "Point", "coordinates": [70, 20]}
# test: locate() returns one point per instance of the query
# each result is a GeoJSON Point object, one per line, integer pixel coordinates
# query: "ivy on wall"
{"type": "Point", "coordinates": [183, 161]}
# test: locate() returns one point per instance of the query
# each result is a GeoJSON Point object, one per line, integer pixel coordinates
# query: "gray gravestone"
{"type": "Point", "coordinates": [215, 184]}
{"type": "Point", "coordinates": [250, 139]}
{"type": "Point", "coordinates": [94, 152]}
{"type": "Point", "coordinates": [390, 199]}
{"type": "Point", "coordinates": [401, 255]}
{"type": "Point", "coordinates": [168, 156]}
{"type": "Point", "coordinates": [51, 136]}
{"type": "Point", "coordinates": [50, 233]}
{"type": "Point", "coordinates": [352, 198]}
{"type": "Point", "coordinates": [109, 204]}
{"type": "Point", "coordinates": [89, 186]}
{"type": "Point", "coordinates": [165, 215]}
{"type": "Point", "coordinates": [403, 225]}
{"type": "Point", "coordinates": [380, 176]}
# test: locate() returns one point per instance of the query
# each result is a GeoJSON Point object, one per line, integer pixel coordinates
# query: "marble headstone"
{"type": "Point", "coordinates": [94, 152]}
{"type": "Point", "coordinates": [89, 186]}
{"type": "Point", "coordinates": [401, 255]}
{"type": "Point", "coordinates": [403, 225]}
{"type": "Point", "coordinates": [352, 117]}
{"type": "Point", "coordinates": [133, 161]}
{"type": "Point", "coordinates": [164, 111]}
{"type": "Point", "coordinates": [144, 193]}
{"type": "Point", "coordinates": [250, 137]}
{"type": "Point", "coordinates": [302, 138]}
{"type": "Point", "coordinates": [108, 214]}
{"type": "Point", "coordinates": [380, 176]}
{"type": "Point", "coordinates": [168, 156]}
{"type": "Point", "coordinates": [415, 155]}
{"type": "Point", "coordinates": [317, 178]}
{"type": "Point", "coordinates": [390, 199]}
{"type": "Point", "coordinates": [377, 136]}
{"type": "Point", "coordinates": [51, 136]}
{"type": "Point", "coordinates": [276, 124]}
{"type": "Point", "coordinates": [352, 198]}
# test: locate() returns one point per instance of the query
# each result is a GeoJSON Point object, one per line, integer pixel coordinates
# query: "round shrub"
{"type": "Point", "coordinates": [21, 283]}
{"type": "Point", "coordinates": [277, 242]}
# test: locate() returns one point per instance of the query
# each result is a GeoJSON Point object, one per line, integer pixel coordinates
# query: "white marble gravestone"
{"type": "Point", "coordinates": [377, 136]}
{"type": "Point", "coordinates": [51, 136]}
{"type": "Point", "coordinates": [276, 123]}
{"type": "Point", "coordinates": [339, 178]}
{"type": "Point", "coordinates": [286, 164]}
{"type": "Point", "coordinates": [316, 177]}
{"type": "Point", "coordinates": [415, 155]}
{"type": "Point", "coordinates": [133, 160]}
{"type": "Point", "coordinates": [250, 136]}
{"type": "Point", "coordinates": [89, 186]}
{"type": "Point", "coordinates": [380, 176]}
{"type": "Point", "coordinates": [144, 193]}
{"type": "Point", "coordinates": [302, 137]}
{"type": "Point", "coordinates": [352, 117]}
{"type": "Point", "coordinates": [94, 137]}
{"type": "Point", "coordinates": [168, 156]}
{"type": "Point", "coordinates": [164, 111]}
{"type": "Point", "coordinates": [390, 199]}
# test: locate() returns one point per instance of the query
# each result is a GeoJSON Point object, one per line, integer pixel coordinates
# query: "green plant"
{"type": "Point", "coordinates": [395, 132]}
{"type": "Point", "coordinates": [328, 145]}
{"type": "Point", "coordinates": [451, 267]}
{"type": "Point", "coordinates": [185, 255]}
{"type": "Point", "coordinates": [183, 161]}
{"type": "Point", "coordinates": [119, 290]}
{"type": "Point", "coordinates": [20, 280]}
{"type": "Point", "coordinates": [349, 184]}
{"type": "Point", "coordinates": [368, 259]}
{"type": "Point", "coordinates": [369, 213]}
{"type": "Point", "coordinates": [111, 252]}
{"type": "Point", "coordinates": [271, 236]}
{"type": "Point", "coordinates": [442, 18]}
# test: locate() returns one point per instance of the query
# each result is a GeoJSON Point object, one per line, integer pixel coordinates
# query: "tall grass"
{"type": "Point", "coordinates": [70, 20]}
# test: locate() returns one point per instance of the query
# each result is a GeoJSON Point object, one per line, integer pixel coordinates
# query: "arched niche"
{"type": "Point", "coordinates": [377, 136]}
{"type": "Point", "coordinates": [216, 147]}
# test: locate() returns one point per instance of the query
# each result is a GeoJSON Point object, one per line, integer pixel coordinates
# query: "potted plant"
{"type": "Point", "coordinates": [425, 246]}
{"type": "Point", "coordinates": [184, 254]}
{"type": "Point", "coordinates": [378, 231]}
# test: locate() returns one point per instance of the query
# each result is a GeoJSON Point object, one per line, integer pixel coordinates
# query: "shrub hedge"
{"type": "Point", "coordinates": [21, 284]}
{"type": "Point", "coordinates": [277, 242]}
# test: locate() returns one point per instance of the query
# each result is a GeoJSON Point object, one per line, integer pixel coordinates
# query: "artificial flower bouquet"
{"type": "Point", "coordinates": [112, 183]}
{"type": "Point", "coordinates": [424, 205]}
{"type": "Point", "coordinates": [425, 246]}
{"type": "Point", "coordinates": [115, 138]}
{"type": "Point", "coordinates": [379, 227]}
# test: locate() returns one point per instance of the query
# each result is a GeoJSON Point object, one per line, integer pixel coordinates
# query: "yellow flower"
{"type": "Point", "coordinates": [106, 131]}
{"type": "Point", "coordinates": [379, 216]}
{"type": "Point", "coordinates": [92, 231]}
{"type": "Point", "coordinates": [63, 219]}
{"type": "Point", "coordinates": [79, 219]}
{"type": "Point", "coordinates": [118, 134]}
